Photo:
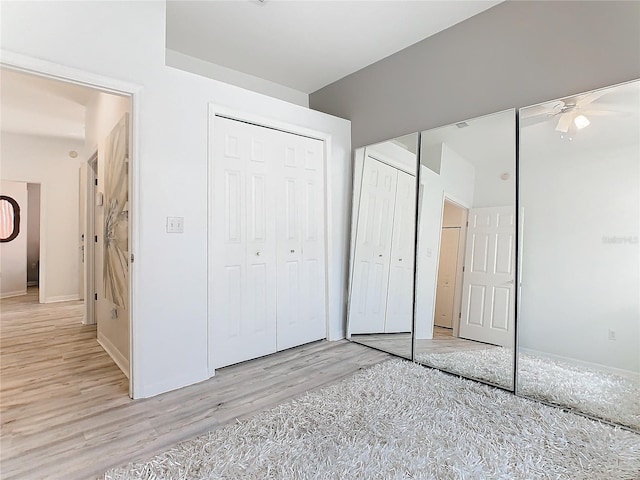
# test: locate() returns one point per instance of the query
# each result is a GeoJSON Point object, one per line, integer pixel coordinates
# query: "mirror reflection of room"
{"type": "Point", "coordinates": [579, 318]}
{"type": "Point", "coordinates": [383, 245]}
{"type": "Point", "coordinates": [465, 286]}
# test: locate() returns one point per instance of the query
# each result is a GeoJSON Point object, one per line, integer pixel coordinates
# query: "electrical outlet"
{"type": "Point", "coordinates": [612, 334]}
{"type": "Point", "coordinates": [175, 224]}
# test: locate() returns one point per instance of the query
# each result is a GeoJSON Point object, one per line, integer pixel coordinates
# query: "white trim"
{"type": "Point", "coordinates": [62, 298]}
{"type": "Point", "coordinates": [89, 241]}
{"type": "Point", "coordinates": [462, 243]}
{"type": "Point", "coordinates": [16, 293]}
{"type": "Point", "coordinates": [574, 361]}
{"type": "Point", "coordinates": [359, 155]}
{"type": "Point", "coordinates": [42, 269]}
{"type": "Point", "coordinates": [115, 354]}
{"type": "Point", "coordinates": [65, 73]}
{"type": "Point", "coordinates": [234, 114]}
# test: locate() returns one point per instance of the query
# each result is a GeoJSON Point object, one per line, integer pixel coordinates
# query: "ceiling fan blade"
{"type": "Point", "coordinates": [604, 113]}
{"type": "Point", "coordinates": [585, 100]}
{"type": "Point", "coordinates": [629, 107]}
{"type": "Point", "coordinates": [564, 122]}
{"type": "Point", "coordinates": [547, 109]}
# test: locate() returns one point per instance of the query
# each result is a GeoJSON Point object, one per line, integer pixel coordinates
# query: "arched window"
{"type": "Point", "coordinates": [9, 218]}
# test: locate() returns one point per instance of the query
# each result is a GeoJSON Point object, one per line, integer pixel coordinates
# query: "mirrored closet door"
{"type": "Point", "coordinates": [465, 275]}
{"type": "Point", "coordinates": [380, 313]}
{"type": "Point", "coordinates": [579, 198]}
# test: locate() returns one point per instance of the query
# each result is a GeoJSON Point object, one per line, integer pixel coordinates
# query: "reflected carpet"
{"type": "Point", "coordinates": [400, 420]}
{"type": "Point", "coordinates": [605, 395]}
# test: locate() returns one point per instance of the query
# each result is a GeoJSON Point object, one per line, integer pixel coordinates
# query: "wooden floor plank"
{"type": "Point", "coordinates": [64, 408]}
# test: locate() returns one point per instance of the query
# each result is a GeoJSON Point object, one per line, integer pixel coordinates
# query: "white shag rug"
{"type": "Point", "coordinates": [600, 394]}
{"type": "Point", "coordinates": [399, 420]}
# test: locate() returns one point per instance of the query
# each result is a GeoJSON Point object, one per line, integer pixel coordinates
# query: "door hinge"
{"type": "Point", "coordinates": [95, 181]}
{"type": "Point", "coordinates": [132, 258]}
{"type": "Point", "coordinates": [95, 296]}
{"type": "Point", "coordinates": [459, 314]}
{"type": "Point", "coordinates": [95, 238]}
{"type": "Point", "coordinates": [463, 269]}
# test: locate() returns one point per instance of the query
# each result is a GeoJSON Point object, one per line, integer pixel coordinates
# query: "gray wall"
{"type": "Point", "coordinates": [512, 55]}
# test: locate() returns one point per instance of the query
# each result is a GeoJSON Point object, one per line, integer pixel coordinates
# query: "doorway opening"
{"type": "Point", "coordinates": [69, 143]}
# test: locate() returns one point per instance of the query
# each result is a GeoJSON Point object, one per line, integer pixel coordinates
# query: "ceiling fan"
{"type": "Point", "coordinates": [572, 112]}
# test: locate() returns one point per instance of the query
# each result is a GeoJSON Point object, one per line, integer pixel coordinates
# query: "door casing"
{"type": "Point", "coordinates": [43, 68]}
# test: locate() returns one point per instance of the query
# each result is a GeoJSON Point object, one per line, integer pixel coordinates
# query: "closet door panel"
{"type": "Point", "coordinates": [242, 310]}
{"type": "Point", "coordinates": [374, 229]}
{"type": "Point", "coordinates": [301, 286]}
{"type": "Point", "coordinates": [401, 272]}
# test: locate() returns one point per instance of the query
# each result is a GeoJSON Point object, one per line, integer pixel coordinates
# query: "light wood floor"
{"type": "Point", "coordinates": [65, 412]}
{"type": "Point", "coordinates": [400, 343]}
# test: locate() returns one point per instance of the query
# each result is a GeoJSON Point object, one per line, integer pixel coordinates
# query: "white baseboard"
{"type": "Point", "coordinates": [573, 361]}
{"type": "Point", "coordinates": [114, 353]}
{"type": "Point", "coordinates": [17, 293]}
{"type": "Point", "coordinates": [62, 298]}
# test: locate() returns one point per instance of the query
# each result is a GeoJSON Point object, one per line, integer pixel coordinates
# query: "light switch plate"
{"type": "Point", "coordinates": [175, 224]}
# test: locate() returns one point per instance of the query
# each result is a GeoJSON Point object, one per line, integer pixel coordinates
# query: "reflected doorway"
{"type": "Point", "coordinates": [450, 268]}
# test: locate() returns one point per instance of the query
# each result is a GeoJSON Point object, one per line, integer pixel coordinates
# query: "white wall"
{"type": "Point", "coordinates": [575, 285]}
{"type": "Point", "coordinates": [45, 160]}
{"type": "Point", "coordinates": [235, 77]}
{"type": "Point", "coordinates": [33, 232]}
{"type": "Point", "coordinates": [492, 191]}
{"type": "Point", "coordinates": [102, 114]}
{"type": "Point", "coordinates": [13, 256]}
{"type": "Point", "coordinates": [170, 271]}
{"type": "Point", "coordinates": [456, 182]}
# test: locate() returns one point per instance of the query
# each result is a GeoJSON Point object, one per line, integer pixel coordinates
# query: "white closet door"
{"type": "Point", "coordinates": [301, 316]}
{"type": "Point", "coordinates": [243, 308]}
{"type": "Point", "coordinates": [488, 286]}
{"type": "Point", "coordinates": [368, 302]}
{"type": "Point", "coordinates": [401, 272]}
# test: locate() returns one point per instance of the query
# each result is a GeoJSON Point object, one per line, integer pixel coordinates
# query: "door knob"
{"type": "Point", "coordinates": [293, 251]}
{"type": "Point", "coordinates": [399, 259]}
{"type": "Point", "coordinates": [257, 254]}
{"type": "Point", "coordinates": [380, 255]}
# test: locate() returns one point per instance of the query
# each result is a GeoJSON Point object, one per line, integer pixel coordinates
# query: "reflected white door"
{"type": "Point", "coordinates": [401, 272]}
{"type": "Point", "coordinates": [374, 229]}
{"type": "Point", "coordinates": [301, 309]}
{"type": "Point", "coordinates": [447, 273]}
{"type": "Point", "coordinates": [488, 287]}
{"type": "Point", "coordinates": [243, 263]}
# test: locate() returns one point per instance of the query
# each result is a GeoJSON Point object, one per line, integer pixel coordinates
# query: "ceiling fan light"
{"type": "Point", "coordinates": [581, 121]}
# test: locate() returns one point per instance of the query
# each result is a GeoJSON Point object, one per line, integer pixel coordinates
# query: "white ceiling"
{"type": "Point", "coordinates": [306, 45]}
{"type": "Point", "coordinates": [42, 106]}
{"type": "Point", "coordinates": [487, 142]}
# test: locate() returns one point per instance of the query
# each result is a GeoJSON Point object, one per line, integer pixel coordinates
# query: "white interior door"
{"type": "Point", "coordinates": [243, 307]}
{"type": "Point", "coordinates": [401, 272]}
{"type": "Point", "coordinates": [447, 273]}
{"type": "Point", "coordinates": [301, 309]}
{"type": "Point", "coordinates": [372, 257]}
{"type": "Point", "coordinates": [488, 287]}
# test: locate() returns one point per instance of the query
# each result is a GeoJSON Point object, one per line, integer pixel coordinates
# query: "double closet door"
{"type": "Point", "coordinates": [268, 259]}
{"type": "Point", "coordinates": [382, 290]}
